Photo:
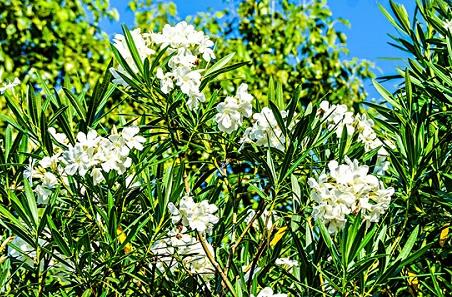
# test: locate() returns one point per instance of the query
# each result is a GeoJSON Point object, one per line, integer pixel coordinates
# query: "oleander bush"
{"type": "Point", "coordinates": [211, 192]}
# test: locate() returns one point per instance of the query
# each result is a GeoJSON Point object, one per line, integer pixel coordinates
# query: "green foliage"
{"type": "Point", "coordinates": [294, 44]}
{"type": "Point", "coordinates": [418, 123]}
{"type": "Point", "coordinates": [99, 239]}
{"type": "Point", "coordinates": [55, 39]}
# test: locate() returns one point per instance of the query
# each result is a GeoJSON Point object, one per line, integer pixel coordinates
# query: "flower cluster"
{"type": "Point", "coordinates": [265, 130]}
{"type": "Point", "coordinates": [119, 42]}
{"type": "Point", "coordinates": [339, 117]}
{"type": "Point", "coordinates": [367, 135]}
{"type": "Point", "coordinates": [91, 153]}
{"type": "Point", "coordinates": [185, 45]}
{"type": "Point", "coordinates": [181, 245]}
{"type": "Point", "coordinates": [198, 216]}
{"type": "Point", "coordinates": [96, 153]}
{"type": "Point", "coordinates": [348, 189]}
{"type": "Point", "coordinates": [232, 111]}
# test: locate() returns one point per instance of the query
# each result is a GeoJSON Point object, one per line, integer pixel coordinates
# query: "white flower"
{"type": "Point", "coordinates": [185, 44]}
{"type": "Point", "coordinates": [192, 254]}
{"type": "Point", "coordinates": [338, 116]}
{"type": "Point", "coordinates": [346, 189]}
{"type": "Point", "coordinates": [205, 48]}
{"type": "Point", "coordinates": [368, 136]}
{"type": "Point", "coordinates": [232, 111]}
{"type": "Point", "coordinates": [119, 42]}
{"type": "Point", "coordinates": [97, 175]}
{"type": "Point", "coordinates": [49, 180]}
{"type": "Point", "coordinates": [198, 216]}
{"type": "Point", "coordinates": [166, 81]}
{"type": "Point", "coordinates": [76, 160]}
{"type": "Point", "coordinates": [187, 80]}
{"type": "Point", "coordinates": [194, 99]}
{"type": "Point", "coordinates": [132, 139]}
{"type": "Point", "coordinates": [10, 86]}
{"type": "Point", "coordinates": [60, 137]}
{"type": "Point", "coordinates": [184, 36]}
{"type": "Point", "coordinates": [196, 259]}
{"type": "Point", "coordinates": [228, 117]}
{"type": "Point", "coordinates": [184, 58]}
{"type": "Point", "coordinates": [265, 130]}
{"type": "Point", "coordinates": [96, 153]}
{"type": "Point", "coordinates": [88, 140]}
{"type": "Point", "coordinates": [245, 100]}
{"type": "Point", "coordinates": [115, 147]}
{"type": "Point", "coordinates": [50, 162]}
{"type": "Point", "coordinates": [268, 292]}
{"type": "Point", "coordinates": [43, 194]}
{"type": "Point", "coordinates": [286, 262]}
{"type": "Point", "coordinates": [30, 172]}
{"type": "Point", "coordinates": [164, 252]}
{"type": "Point", "coordinates": [175, 37]}
{"type": "Point", "coordinates": [175, 213]}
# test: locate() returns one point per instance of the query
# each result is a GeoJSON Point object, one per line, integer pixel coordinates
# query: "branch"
{"type": "Point", "coordinates": [215, 263]}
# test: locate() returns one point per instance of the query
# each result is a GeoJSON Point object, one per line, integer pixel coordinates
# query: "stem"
{"type": "Point", "coordinates": [186, 181]}
{"type": "Point", "coordinates": [255, 217]}
{"type": "Point", "coordinates": [322, 285]}
{"type": "Point", "coordinates": [215, 264]}
{"type": "Point", "coordinates": [260, 250]}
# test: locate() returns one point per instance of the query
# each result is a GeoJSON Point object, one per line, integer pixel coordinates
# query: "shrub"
{"type": "Point", "coordinates": [211, 192]}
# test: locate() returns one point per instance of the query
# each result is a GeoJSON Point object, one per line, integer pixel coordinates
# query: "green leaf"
{"type": "Point", "coordinates": [219, 64]}
{"type": "Point", "coordinates": [132, 48]}
{"type": "Point", "coordinates": [278, 117]}
{"type": "Point", "coordinates": [61, 243]}
{"type": "Point", "coordinates": [279, 102]}
{"type": "Point", "coordinates": [74, 102]}
{"type": "Point", "coordinates": [401, 14]}
{"type": "Point", "coordinates": [33, 105]}
{"type": "Point", "coordinates": [409, 244]}
{"type": "Point", "coordinates": [296, 191]}
{"type": "Point", "coordinates": [31, 202]}
{"type": "Point", "coordinates": [386, 95]}
{"type": "Point", "coordinates": [45, 136]}
{"type": "Point", "coordinates": [389, 17]}
{"type": "Point", "coordinates": [212, 75]}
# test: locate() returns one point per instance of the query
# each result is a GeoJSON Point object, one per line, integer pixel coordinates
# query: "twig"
{"type": "Point", "coordinates": [260, 250]}
{"type": "Point", "coordinates": [215, 264]}
{"type": "Point", "coordinates": [255, 217]}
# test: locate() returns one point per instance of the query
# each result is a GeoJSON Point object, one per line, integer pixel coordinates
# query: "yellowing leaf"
{"type": "Point", "coordinates": [443, 236]}
{"type": "Point", "coordinates": [413, 282]}
{"type": "Point", "coordinates": [122, 237]}
{"type": "Point", "coordinates": [412, 279]}
{"type": "Point", "coordinates": [278, 236]}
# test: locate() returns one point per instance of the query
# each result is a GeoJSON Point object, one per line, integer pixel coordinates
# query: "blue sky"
{"type": "Point", "coordinates": [367, 36]}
